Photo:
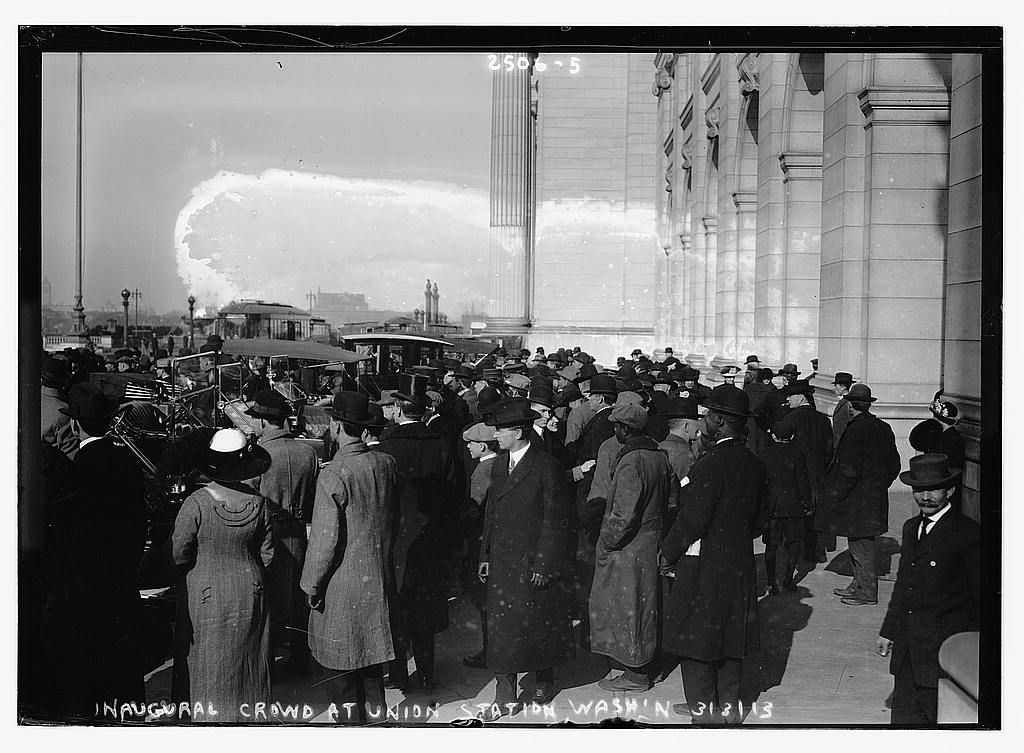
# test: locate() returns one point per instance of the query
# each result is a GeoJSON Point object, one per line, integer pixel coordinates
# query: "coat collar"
{"type": "Point", "coordinates": [939, 531]}
{"type": "Point", "coordinates": [509, 482]}
{"type": "Point", "coordinates": [275, 433]}
{"type": "Point", "coordinates": [411, 430]}
{"type": "Point", "coordinates": [353, 448]}
{"type": "Point", "coordinates": [634, 444]}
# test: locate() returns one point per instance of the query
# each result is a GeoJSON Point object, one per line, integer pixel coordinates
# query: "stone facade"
{"type": "Point", "coordinates": [791, 205]}
{"type": "Point", "coordinates": [831, 208]}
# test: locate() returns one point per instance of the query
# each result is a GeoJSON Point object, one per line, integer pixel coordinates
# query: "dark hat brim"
{"type": "Point", "coordinates": [729, 411]}
{"type": "Point", "coordinates": [329, 410]}
{"type": "Point", "coordinates": [410, 398]}
{"type": "Point", "coordinates": [951, 479]}
{"type": "Point", "coordinates": [255, 465]}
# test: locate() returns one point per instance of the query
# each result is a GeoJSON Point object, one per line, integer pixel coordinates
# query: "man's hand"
{"type": "Point", "coordinates": [315, 602]}
{"type": "Point", "coordinates": [483, 570]}
{"type": "Point", "coordinates": [539, 581]}
{"type": "Point", "coordinates": [883, 646]}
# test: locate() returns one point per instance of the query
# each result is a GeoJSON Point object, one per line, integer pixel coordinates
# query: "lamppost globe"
{"type": "Point", "coordinates": [125, 295]}
{"type": "Point", "coordinates": [191, 322]}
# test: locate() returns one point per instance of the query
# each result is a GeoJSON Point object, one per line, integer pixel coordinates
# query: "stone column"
{"type": "Point", "coordinates": [436, 304]}
{"type": "Point", "coordinates": [511, 211]}
{"type": "Point", "coordinates": [961, 354]}
{"type": "Point", "coordinates": [710, 225]}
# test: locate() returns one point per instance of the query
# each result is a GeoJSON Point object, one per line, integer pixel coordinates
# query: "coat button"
{"type": "Point", "coordinates": [932, 563]}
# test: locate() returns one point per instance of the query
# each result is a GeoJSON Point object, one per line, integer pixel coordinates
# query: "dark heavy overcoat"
{"type": "Point", "coordinates": [789, 491]}
{"type": "Point", "coordinates": [624, 595]}
{"type": "Point", "coordinates": [526, 530]}
{"type": "Point", "coordinates": [424, 524]}
{"type": "Point", "coordinates": [101, 535]}
{"type": "Point", "coordinates": [842, 414]}
{"type": "Point", "coordinates": [289, 487]}
{"type": "Point", "coordinates": [597, 430]}
{"type": "Point", "coordinates": [760, 395]}
{"type": "Point", "coordinates": [812, 431]}
{"type": "Point", "coordinates": [348, 559]}
{"type": "Point", "coordinates": [936, 594]}
{"type": "Point", "coordinates": [711, 611]}
{"type": "Point", "coordinates": [854, 499]}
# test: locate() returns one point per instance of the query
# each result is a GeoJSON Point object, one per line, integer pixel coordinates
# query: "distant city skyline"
{"type": "Point", "coordinates": [266, 175]}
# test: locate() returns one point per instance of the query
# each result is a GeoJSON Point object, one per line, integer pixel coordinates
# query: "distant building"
{"type": "Point", "coordinates": [338, 309]}
{"type": "Point", "coordinates": [259, 319]}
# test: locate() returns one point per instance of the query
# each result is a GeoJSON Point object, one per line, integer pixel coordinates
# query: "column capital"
{"type": "Point", "coordinates": [710, 222]}
{"type": "Point", "coordinates": [801, 165]}
{"type": "Point", "coordinates": [904, 105]}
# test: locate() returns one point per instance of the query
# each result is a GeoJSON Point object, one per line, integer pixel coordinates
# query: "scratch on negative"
{"type": "Point", "coordinates": [841, 676]}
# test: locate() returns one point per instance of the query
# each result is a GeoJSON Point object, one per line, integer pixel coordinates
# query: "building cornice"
{"type": "Point", "coordinates": [801, 165]}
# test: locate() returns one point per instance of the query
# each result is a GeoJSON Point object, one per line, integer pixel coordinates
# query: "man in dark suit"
{"type": "Point", "coordinates": [711, 611]}
{"type": "Point", "coordinates": [526, 561]}
{"type": "Point", "coordinates": [842, 413]}
{"type": "Point", "coordinates": [542, 401]}
{"type": "Point", "coordinates": [813, 433]}
{"type": "Point", "coordinates": [426, 516]}
{"type": "Point", "coordinates": [854, 499]}
{"type": "Point", "coordinates": [937, 589]}
{"type": "Point", "coordinates": [104, 536]}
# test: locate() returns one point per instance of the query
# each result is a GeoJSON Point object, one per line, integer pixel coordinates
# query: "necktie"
{"type": "Point", "coordinates": [511, 464]}
{"type": "Point", "coordinates": [923, 530]}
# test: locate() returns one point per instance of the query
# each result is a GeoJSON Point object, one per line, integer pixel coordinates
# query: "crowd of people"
{"type": "Point", "coordinates": [578, 507]}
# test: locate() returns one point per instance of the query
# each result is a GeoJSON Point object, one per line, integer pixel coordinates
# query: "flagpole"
{"type": "Point", "coordinates": [79, 325]}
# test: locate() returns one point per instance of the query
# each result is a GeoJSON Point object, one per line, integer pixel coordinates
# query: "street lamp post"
{"type": "Point", "coordinates": [191, 322]}
{"type": "Point", "coordinates": [125, 295]}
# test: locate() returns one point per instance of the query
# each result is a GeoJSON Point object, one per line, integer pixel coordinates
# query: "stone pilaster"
{"type": "Point", "coordinates": [511, 211]}
{"type": "Point", "coordinates": [961, 356]}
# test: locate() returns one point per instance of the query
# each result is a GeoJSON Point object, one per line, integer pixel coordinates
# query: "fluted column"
{"type": "Point", "coordinates": [512, 168]}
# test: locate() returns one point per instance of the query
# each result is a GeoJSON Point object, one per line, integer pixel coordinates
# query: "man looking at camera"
{"type": "Point", "coordinates": [936, 593]}
{"type": "Point", "coordinates": [525, 561]}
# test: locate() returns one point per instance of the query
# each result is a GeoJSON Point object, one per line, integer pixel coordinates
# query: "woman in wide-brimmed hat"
{"type": "Point", "coordinates": [222, 542]}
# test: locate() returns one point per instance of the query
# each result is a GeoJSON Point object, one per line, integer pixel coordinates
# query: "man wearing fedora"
{"type": "Point", "coordinates": [289, 486]}
{"type": "Point", "coordinates": [624, 614]}
{"type": "Point", "coordinates": [761, 394]}
{"type": "Point", "coordinates": [854, 497]}
{"type": "Point", "coordinates": [937, 591]}
{"type": "Point", "coordinates": [753, 369]}
{"type": "Point", "coordinates": [842, 413]}
{"type": "Point", "coordinates": [347, 576]}
{"type": "Point", "coordinates": [428, 502]}
{"type": "Point", "coordinates": [105, 536]}
{"type": "Point", "coordinates": [813, 434]}
{"type": "Point", "coordinates": [542, 401]}
{"type": "Point", "coordinates": [54, 425]}
{"type": "Point", "coordinates": [526, 561]}
{"type": "Point", "coordinates": [581, 457]}
{"type": "Point", "coordinates": [711, 611]}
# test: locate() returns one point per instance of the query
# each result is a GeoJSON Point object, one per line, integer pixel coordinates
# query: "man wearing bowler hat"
{"type": "Point", "coordinates": [711, 612]}
{"type": "Point", "coordinates": [104, 533]}
{"type": "Point", "coordinates": [426, 515]}
{"type": "Point", "coordinates": [937, 592]}
{"type": "Point", "coordinates": [542, 401]}
{"type": "Point", "coordinates": [347, 576]}
{"type": "Point", "coordinates": [854, 498]}
{"type": "Point", "coordinates": [683, 428]}
{"type": "Point", "coordinates": [289, 486]}
{"type": "Point", "coordinates": [753, 366]}
{"type": "Point", "coordinates": [842, 413]}
{"type": "Point", "coordinates": [526, 561]}
{"type": "Point", "coordinates": [670, 359]}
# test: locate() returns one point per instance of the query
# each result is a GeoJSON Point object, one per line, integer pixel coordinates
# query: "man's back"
{"type": "Point", "coordinates": [290, 482]}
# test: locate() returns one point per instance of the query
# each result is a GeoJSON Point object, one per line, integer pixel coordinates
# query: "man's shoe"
{"type": "Point", "coordinates": [773, 590]}
{"type": "Point", "coordinates": [476, 661]}
{"type": "Point", "coordinates": [621, 684]}
{"type": "Point", "coordinates": [858, 601]}
{"type": "Point", "coordinates": [544, 693]}
{"type": "Point", "coordinates": [788, 585]}
{"type": "Point", "coordinates": [843, 591]}
{"type": "Point", "coordinates": [683, 709]}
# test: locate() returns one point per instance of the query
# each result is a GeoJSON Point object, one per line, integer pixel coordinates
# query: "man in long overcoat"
{"type": "Point", "coordinates": [55, 427]}
{"type": "Point", "coordinates": [854, 499]}
{"type": "Point", "coordinates": [426, 516]}
{"type": "Point", "coordinates": [290, 488]}
{"type": "Point", "coordinates": [937, 591]}
{"type": "Point", "coordinates": [103, 536]}
{"type": "Point", "coordinates": [812, 431]}
{"type": "Point", "coordinates": [842, 413]}
{"type": "Point", "coordinates": [581, 457]}
{"type": "Point", "coordinates": [624, 596]}
{"type": "Point", "coordinates": [761, 393]}
{"type": "Point", "coordinates": [347, 574]}
{"type": "Point", "coordinates": [711, 611]}
{"type": "Point", "coordinates": [526, 561]}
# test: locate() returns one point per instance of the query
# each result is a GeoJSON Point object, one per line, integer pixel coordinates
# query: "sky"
{"type": "Point", "coordinates": [268, 175]}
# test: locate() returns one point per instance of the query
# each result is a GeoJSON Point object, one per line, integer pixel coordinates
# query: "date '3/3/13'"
{"type": "Point", "coordinates": [704, 711]}
{"type": "Point", "coordinates": [511, 62]}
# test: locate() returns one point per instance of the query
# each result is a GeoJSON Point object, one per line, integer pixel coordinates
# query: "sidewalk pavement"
{"type": "Point", "coordinates": [817, 664]}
